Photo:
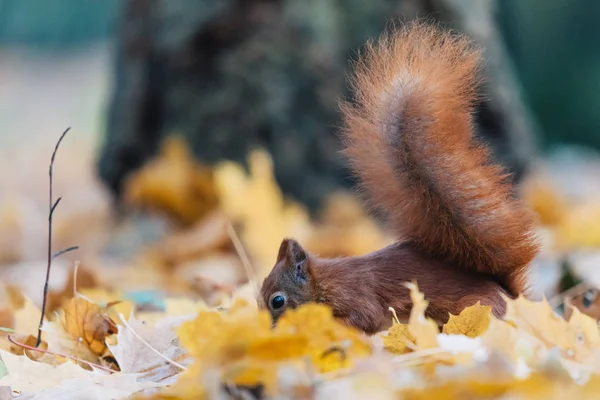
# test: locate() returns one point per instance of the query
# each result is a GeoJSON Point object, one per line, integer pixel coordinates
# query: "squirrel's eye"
{"type": "Point", "coordinates": [277, 302]}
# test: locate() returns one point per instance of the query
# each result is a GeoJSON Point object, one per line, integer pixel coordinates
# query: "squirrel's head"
{"type": "Point", "coordinates": [290, 283]}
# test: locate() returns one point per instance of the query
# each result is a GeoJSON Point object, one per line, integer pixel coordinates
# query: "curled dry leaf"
{"type": "Point", "coordinates": [81, 330]}
{"type": "Point", "coordinates": [87, 321]}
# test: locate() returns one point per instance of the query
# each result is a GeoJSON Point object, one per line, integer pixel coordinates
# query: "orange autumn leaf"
{"type": "Point", "coordinates": [174, 183]}
{"type": "Point", "coordinates": [87, 321]}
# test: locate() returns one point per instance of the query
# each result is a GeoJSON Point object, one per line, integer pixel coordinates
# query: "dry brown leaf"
{"type": "Point", "coordinates": [30, 341]}
{"type": "Point", "coordinates": [81, 330]}
{"type": "Point", "coordinates": [87, 321]}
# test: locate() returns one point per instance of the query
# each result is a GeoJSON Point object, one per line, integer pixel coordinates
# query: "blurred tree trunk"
{"type": "Point", "coordinates": [231, 75]}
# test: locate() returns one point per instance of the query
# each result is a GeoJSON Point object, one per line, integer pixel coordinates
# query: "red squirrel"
{"type": "Point", "coordinates": [463, 235]}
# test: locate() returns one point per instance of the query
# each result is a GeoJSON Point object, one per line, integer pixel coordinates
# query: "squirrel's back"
{"type": "Point", "coordinates": [409, 137]}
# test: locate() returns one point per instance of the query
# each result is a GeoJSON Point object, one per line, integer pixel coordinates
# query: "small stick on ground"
{"type": "Point", "coordinates": [52, 207]}
{"type": "Point", "coordinates": [26, 346]}
{"type": "Point", "coordinates": [239, 248]}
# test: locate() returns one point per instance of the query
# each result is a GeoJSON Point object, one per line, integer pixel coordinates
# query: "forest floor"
{"type": "Point", "coordinates": [164, 304]}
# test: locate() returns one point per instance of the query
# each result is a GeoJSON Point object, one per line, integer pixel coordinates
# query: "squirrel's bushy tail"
{"type": "Point", "coordinates": [409, 137]}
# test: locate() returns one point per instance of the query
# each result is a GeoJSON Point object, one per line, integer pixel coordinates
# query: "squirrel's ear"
{"type": "Point", "coordinates": [296, 259]}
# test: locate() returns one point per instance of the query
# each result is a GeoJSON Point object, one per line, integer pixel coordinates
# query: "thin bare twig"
{"type": "Point", "coordinates": [239, 248]}
{"type": "Point", "coordinates": [61, 252]}
{"type": "Point", "coordinates": [75, 270]}
{"type": "Point", "coordinates": [52, 207]}
{"type": "Point", "coordinates": [26, 346]}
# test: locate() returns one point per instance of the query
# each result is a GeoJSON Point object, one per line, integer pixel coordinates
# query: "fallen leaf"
{"type": "Point", "coordinates": [143, 356]}
{"type": "Point", "coordinates": [25, 375]}
{"type": "Point", "coordinates": [27, 318]}
{"type": "Point", "coordinates": [423, 329]}
{"type": "Point", "coordinates": [473, 321]}
{"type": "Point", "coordinates": [545, 200]}
{"type": "Point", "coordinates": [256, 203]}
{"type": "Point", "coordinates": [98, 386]}
{"type": "Point", "coordinates": [173, 183]}
{"type": "Point", "coordinates": [81, 330]}
{"type": "Point", "coordinates": [398, 339]}
{"type": "Point", "coordinates": [87, 321]}
{"type": "Point", "coordinates": [579, 228]}
{"type": "Point", "coordinates": [114, 303]}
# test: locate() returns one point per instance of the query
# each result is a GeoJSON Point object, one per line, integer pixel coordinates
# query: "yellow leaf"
{"type": "Point", "coordinates": [345, 229]}
{"type": "Point", "coordinates": [85, 323]}
{"type": "Point", "coordinates": [424, 329]}
{"type": "Point", "coordinates": [174, 183]}
{"type": "Point", "coordinates": [104, 297]}
{"type": "Point", "coordinates": [256, 203]}
{"type": "Point", "coordinates": [577, 339]}
{"type": "Point", "coordinates": [580, 227]}
{"type": "Point", "coordinates": [241, 343]}
{"type": "Point", "coordinates": [398, 339]}
{"type": "Point", "coordinates": [544, 199]}
{"type": "Point", "coordinates": [332, 344]}
{"type": "Point", "coordinates": [473, 321]}
{"type": "Point", "coordinates": [501, 337]}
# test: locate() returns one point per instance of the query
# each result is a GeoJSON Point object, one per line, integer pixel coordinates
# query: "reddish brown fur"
{"type": "Point", "coordinates": [409, 139]}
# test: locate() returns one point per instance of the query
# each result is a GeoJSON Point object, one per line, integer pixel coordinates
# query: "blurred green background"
{"type": "Point", "coordinates": [555, 45]}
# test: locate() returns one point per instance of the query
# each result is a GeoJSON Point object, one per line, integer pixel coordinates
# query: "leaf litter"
{"type": "Point", "coordinates": [178, 319]}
